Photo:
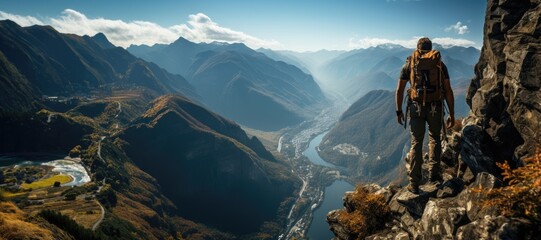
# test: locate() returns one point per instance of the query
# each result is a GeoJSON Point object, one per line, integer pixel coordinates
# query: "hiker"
{"type": "Point", "coordinates": [429, 86]}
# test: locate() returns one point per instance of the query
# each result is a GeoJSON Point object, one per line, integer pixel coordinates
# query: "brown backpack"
{"type": "Point", "coordinates": [425, 76]}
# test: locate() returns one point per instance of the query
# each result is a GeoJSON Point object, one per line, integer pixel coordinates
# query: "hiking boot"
{"type": "Point", "coordinates": [413, 188]}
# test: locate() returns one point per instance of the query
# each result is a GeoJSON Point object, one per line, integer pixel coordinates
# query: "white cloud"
{"type": "Point", "coordinates": [459, 28]}
{"type": "Point", "coordinates": [199, 28]}
{"type": "Point", "coordinates": [373, 42]}
{"type": "Point", "coordinates": [21, 20]}
{"type": "Point", "coordinates": [449, 42]}
{"type": "Point", "coordinates": [408, 43]}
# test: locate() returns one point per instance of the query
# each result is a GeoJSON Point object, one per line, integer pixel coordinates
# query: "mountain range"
{"type": "Point", "coordinates": [167, 166]}
{"type": "Point", "coordinates": [55, 64]}
{"type": "Point", "coordinates": [240, 83]}
{"type": "Point", "coordinates": [354, 73]}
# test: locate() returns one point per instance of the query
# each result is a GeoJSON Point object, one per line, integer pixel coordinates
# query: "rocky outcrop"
{"type": "Point", "coordinates": [504, 96]}
{"type": "Point", "coordinates": [430, 215]}
{"type": "Point", "coordinates": [503, 125]}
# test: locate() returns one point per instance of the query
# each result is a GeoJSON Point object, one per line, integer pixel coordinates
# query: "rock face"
{"type": "Point", "coordinates": [503, 125]}
{"type": "Point", "coordinates": [504, 96]}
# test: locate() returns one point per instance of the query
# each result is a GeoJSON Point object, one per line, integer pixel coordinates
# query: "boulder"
{"type": "Point", "coordinates": [414, 203]}
{"type": "Point", "coordinates": [473, 199]}
{"type": "Point", "coordinates": [441, 218]}
{"type": "Point", "coordinates": [338, 229]}
{"type": "Point", "coordinates": [450, 188]}
{"type": "Point", "coordinates": [490, 227]}
{"type": "Point", "coordinates": [476, 150]}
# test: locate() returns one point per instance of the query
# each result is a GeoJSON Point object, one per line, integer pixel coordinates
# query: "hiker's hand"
{"type": "Point", "coordinates": [400, 118]}
{"type": "Point", "coordinates": [450, 121]}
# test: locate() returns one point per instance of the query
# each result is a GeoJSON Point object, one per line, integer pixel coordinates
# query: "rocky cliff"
{"type": "Point", "coordinates": [503, 125]}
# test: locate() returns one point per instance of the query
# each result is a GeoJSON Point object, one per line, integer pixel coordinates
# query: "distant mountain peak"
{"type": "Point", "coordinates": [102, 41]}
{"type": "Point", "coordinates": [182, 41]}
{"type": "Point", "coordinates": [390, 46]}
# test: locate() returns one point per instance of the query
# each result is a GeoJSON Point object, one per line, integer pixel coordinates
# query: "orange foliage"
{"type": "Point", "coordinates": [13, 224]}
{"type": "Point", "coordinates": [522, 195]}
{"type": "Point", "coordinates": [370, 214]}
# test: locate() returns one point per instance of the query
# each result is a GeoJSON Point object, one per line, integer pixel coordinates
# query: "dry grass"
{"type": "Point", "coordinates": [8, 195]}
{"type": "Point", "coordinates": [85, 213]}
{"type": "Point", "coordinates": [522, 196]}
{"type": "Point", "coordinates": [370, 214]}
{"type": "Point", "coordinates": [13, 225]}
{"type": "Point", "coordinates": [48, 182]}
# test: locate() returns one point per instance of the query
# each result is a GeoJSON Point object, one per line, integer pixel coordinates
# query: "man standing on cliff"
{"type": "Point", "coordinates": [429, 87]}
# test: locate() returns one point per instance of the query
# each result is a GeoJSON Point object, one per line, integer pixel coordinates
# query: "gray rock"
{"type": "Point", "coordinates": [389, 236]}
{"type": "Point", "coordinates": [472, 198]}
{"type": "Point", "coordinates": [505, 94]}
{"type": "Point", "coordinates": [388, 192]}
{"type": "Point", "coordinates": [475, 151]}
{"type": "Point", "coordinates": [339, 231]}
{"type": "Point", "coordinates": [450, 188]}
{"type": "Point", "coordinates": [441, 218]}
{"type": "Point", "coordinates": [451, 149]}
{"type": "Point", "coordinates": [415, 203]}
{"type": "Point", "coordinates": [490, 227]}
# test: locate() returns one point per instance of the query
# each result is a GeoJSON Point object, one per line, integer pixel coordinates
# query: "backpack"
{"type": "Point", "coordinates": [425, 76]}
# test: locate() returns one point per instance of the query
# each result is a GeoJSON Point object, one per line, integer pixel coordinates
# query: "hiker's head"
{"type": "Point", "coordinates": [424, 44]}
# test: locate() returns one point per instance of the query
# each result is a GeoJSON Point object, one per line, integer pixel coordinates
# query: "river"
{"type": "Point", "coordinates": [319, 229]}
{"type": "Point", "coordinates": [60, 164]}
{"type": "Point", "coordinates": [312, 153]}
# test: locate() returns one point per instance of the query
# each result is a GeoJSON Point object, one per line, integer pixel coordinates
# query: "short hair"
{"type": "Point", "coordinates": [424, 44]}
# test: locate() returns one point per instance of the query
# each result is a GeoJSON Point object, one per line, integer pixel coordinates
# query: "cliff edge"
{"type": "Point", "coordinates": [499, 135]}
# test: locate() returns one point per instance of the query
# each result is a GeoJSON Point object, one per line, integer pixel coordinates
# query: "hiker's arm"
{"type": "Point", "coordinates": [450, 99]}
{"type": "Point", "coordinates": [399, 96]}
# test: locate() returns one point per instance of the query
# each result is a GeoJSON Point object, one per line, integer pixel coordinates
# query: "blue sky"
{"type": "Point", "coordinates": [299, 25]}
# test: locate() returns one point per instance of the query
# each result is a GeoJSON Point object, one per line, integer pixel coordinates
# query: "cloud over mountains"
{"type": "Point", "coordinates": [199, 28]}
{"type": "Point", "coordinates": [408, 43]}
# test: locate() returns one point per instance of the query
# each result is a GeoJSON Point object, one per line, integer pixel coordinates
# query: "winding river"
{"type": "Point", "coordinates": [59, 163]}
{"type": "Point", "coordinates": [319, 229]}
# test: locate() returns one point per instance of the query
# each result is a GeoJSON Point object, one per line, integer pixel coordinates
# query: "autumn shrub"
{"type": "Point", "coordinates": [369, 215]}
{"type": "Point", "coordinates": [521, 197]}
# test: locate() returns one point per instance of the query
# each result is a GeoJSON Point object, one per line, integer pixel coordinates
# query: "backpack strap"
{"type": "Point", "coordinates": [440, 75]}
{"type": "Point", "coordinates": [412, 69]}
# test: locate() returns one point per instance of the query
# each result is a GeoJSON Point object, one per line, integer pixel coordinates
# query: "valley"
{"type": "Point", "coordinates": [200, 134]}
{"type": "Point", "coordinates": [298, 145]}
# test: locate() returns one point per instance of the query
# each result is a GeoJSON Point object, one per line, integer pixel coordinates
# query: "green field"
{"type": "Point", "coordinates": [48, 182]}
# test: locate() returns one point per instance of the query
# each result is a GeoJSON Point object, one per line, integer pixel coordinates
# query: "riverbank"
{"type": "Point", "coordinates": [27, 168]}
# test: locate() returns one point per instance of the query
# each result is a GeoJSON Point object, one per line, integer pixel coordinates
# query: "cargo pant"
{"type": "Point", "coordinates": [432, 114]}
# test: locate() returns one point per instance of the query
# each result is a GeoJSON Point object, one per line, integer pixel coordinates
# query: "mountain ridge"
{"type": "Point", "coordinates": [240, 83]}
{"type": "Point", "coordinates": [241, 176]}
{"type": "Point", "coordinates": [58, 64]}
